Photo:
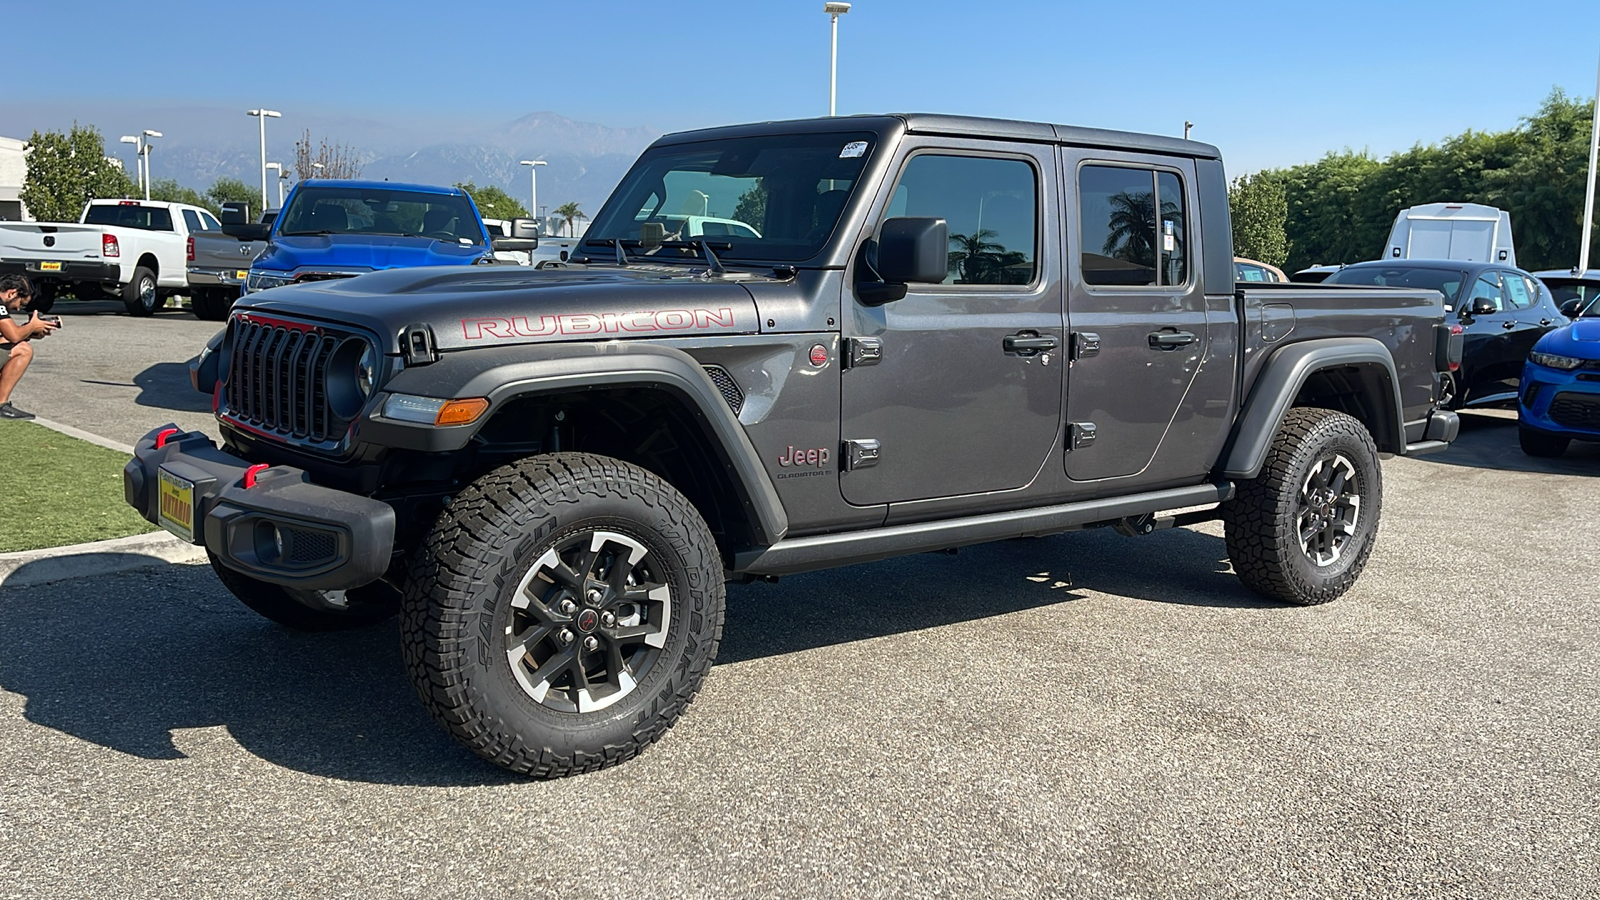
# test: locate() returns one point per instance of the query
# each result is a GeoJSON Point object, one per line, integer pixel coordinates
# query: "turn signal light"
{"type": "Point", "coordinates": [109, 246]}
{"type": "Point", "coordinates": [461, 412]}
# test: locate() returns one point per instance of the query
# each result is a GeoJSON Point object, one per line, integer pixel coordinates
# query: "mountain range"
{"type": "Point", "coordinates": [201, 144]}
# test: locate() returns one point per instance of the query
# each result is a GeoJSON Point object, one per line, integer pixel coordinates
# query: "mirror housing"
{"type": "Point", "coordinates": [247, 231]}
{"type": "Point", "coordinates": [1483, 306]}
{"type": "Point", "coordinates": [524, 229]}
{"type": "Point", "coordinates": [1572, 307]}
{"type": "Point", "coordinates": [911, 250]}
{"type": "Point", "coordinates": [235, 212]}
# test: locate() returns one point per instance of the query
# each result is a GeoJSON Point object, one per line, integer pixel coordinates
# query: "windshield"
{"type": "Point", "coordinates": [771, 198]}
{"type": "Point", "coordinates": [129, 215]}
{"type": "Point", "coordinates": [1587, 293]}
{"type": "Point", "coordinates": [1445, 281]}
{"type": "Point", "coordinates": [357, 210]}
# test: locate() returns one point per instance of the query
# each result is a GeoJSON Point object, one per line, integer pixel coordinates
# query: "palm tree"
{"type": "Point", "coordinates": [1133, 228]}
{"type": "Point", "coordinates": [568, 211]}
{"type": "Point", "coordinates": [974, 254]}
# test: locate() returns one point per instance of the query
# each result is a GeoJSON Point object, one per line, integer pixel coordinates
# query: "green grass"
{"type": "Point", "coordinates": [56, 490]}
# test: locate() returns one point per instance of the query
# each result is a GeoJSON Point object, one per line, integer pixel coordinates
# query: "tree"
{"type": "Point", "coordinates": [1259, 207]}
{"type": "Point", "coordinates": [752, 207]}
{"type": "Point", "coordinates": [569, 211]}
{"type": "Point", "coordinates": [493, 203]}
{"type": "Point", "coordinates": [232, 190]}
{"type": "Point", "coordinates": [324, 160]}
{"type": "Point", "coordinates": [66, 171]}
{"type": "Point", "coordinates": [1133, 228]}
{"type": "Point", "coordinates": [168, 190]}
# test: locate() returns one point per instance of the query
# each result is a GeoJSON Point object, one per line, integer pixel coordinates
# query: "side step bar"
{"type": "Point", "coordinates": [803, 554]}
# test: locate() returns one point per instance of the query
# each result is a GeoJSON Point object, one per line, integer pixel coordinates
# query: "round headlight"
{"type": "Point", "coordinates": [367, 371]}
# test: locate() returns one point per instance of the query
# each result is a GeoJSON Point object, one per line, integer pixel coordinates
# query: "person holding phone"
{"type": "Point", "coordinates": [14, 347]}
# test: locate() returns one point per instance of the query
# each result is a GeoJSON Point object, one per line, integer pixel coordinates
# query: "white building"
{"type": "Point", "coordinates": [13, 167]}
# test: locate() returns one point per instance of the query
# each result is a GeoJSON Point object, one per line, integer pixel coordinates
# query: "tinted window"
{"type": "Point", "coordinates": [1445, 281]}
{"type": "Point", "coordinates": [1517, 291]}
{"type": "Point", "coordinates": [191, 221]}
{"type": "Point", "coordinates": [1243, 272]}
{"type": "Point", "coordinates": [209, 223]}
{"type": "Point", "coordinates": [990, 206]}
{"type": "Point", "coordinates": [1487, 287]}
{"type": "Point", "coordinates": [360, 210]}
{"type": "Point", "coordinates": [129, 215]}
{"type": "Point", "coordinates": [1125, 241]}
{"type": "Point", "coordinates": [1586, 293]}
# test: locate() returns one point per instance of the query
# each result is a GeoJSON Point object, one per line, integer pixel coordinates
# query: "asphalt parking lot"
{"type": "Point", "coordinates": [1079, 716]}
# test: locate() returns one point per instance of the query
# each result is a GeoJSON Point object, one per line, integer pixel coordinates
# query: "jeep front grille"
{"type": "Point", "coordinates": [727, 386]}
{"type": "Point", "coordinates": [276, 380]}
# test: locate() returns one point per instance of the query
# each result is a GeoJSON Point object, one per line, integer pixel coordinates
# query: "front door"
{"type": "Point", "coordinates": [955, 404]}
{"type": "Point", "coordinates": [1136, 289]}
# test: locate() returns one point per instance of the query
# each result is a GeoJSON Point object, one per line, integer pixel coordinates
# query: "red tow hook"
{"type": "Point", "coordinates": [162, 435]}
{"type": "Point", "coordinates": [250, 474]}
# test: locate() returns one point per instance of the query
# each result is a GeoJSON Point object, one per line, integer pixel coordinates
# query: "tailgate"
{"type": "Point", "coordinates": [224, 252]}
{"type": "Point", "coordinates": [34, 240]}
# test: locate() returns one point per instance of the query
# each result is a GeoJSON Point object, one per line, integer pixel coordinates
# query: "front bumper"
{"type": "Point", "coordinates": [284, 529]}
{"type": "Point", "coordinates": [69, 270]}
{"type": "Point", "coordinates": [1561, 403]}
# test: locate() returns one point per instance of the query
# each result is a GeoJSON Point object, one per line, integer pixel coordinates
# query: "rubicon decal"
{"type": "Point", "coordinates": [580, 324]}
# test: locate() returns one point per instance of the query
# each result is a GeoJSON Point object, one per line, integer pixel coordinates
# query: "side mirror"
{"type": "Point", "coordinates": [1571, 308]}
{"type": "Point", "coordinates": [246, 231]}
{"type": "Point", "coordinates": [235, 212]}
{"type": "Point", "coordinates": [911, 250]}
{"type": "Point", "coordinates": [1483, 306]}
{"type": "Point", "coordinates": [524, 229]}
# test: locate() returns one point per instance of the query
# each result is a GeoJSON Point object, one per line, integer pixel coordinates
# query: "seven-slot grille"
{"type": "Point", "coordinates": [1576, 411]}
{"type": "Point", "coordinates": [276, 380]}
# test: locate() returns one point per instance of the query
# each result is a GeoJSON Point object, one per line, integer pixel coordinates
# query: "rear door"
{"type": "Point", "coordinates": [1490, 361]}
{"type": "Point", "coordinates": [1135, 295]}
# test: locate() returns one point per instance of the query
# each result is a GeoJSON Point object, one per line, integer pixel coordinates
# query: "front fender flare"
{"type": "Point", "coordinates": [1280, 381]}
{"type": "Point", "coordinates": [503, 374]}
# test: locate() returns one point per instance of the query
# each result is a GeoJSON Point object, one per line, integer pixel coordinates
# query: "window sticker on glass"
{"type": "Point", "coordinates": [853, 150]}
{"type": "Point", "coordinates": [1169, 238]}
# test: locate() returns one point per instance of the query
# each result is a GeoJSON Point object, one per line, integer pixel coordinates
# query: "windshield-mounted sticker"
{"type": "Point", "coordinates": [853, 150]}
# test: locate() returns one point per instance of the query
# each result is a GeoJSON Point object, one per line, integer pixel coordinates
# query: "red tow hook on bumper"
{"type": "Point", "coordinates": [250, 474]}
{"type": "Point", "coordinates": [162, 435]}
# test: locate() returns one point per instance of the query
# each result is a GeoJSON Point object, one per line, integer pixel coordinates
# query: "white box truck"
{"type": "Point", "coordinates": [1465, 231]}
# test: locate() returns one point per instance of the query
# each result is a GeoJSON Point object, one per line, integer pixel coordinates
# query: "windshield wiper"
{"type": "Point", "coordinates": [713, 265]}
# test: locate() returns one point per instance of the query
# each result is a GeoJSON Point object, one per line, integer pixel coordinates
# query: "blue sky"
{"type": "Point", "coordinates": [1271, 83]}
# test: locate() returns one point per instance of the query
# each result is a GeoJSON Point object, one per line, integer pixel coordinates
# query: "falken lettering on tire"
{"type": "Point", "coordinates": [580, 324]}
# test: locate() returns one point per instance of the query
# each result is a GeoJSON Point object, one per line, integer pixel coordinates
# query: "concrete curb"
{"type": "Point", "coordinates": [30, 567]}
{"type": "Point", "coordinates": [82, 435]}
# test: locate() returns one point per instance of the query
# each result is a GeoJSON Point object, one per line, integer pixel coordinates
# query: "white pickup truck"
{"type": "Point", "coordinates": [134, 249]}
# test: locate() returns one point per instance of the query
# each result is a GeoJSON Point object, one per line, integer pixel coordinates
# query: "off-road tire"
{"type": "Point", "coordinates": [140, 295]}
{"type": "Point", "coordinates": [211, 305]}
{"type": "Point", "coordinates": [1540, 443]}
{"type": "Point", "coordinates": [484, 557]}
{"type": "Point", "coordinates": [362, 606]}
{"type": "Point", "coordinates": [1263, 520]}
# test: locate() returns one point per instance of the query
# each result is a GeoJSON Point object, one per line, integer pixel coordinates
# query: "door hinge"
{"type": "Point", "coordinates": [1082, 434]}
{"type": "Point", "coordinates": [1085, 344]}
{"type": "Point", "coordinates": [862, 454]}
{"type": "Point", "coordinates": [862, 351]}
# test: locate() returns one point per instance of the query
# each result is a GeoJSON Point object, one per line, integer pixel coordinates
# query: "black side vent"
{"type": "Point", "coordinates": [728, 387]}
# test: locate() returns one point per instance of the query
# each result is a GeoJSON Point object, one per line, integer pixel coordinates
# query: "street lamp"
{"type": "Point", "coordinates": [533, 183]}
{"type": "Point", "coordinates": [138, 156]}
{"type": "Point", "coordinates": [145, 152]}
{"type": "Point", "coordinates": [262, 115]}
{"type": "Point", "coordinates": [282, 175]}
{"type": "Point", "coordinates": [835, 10]}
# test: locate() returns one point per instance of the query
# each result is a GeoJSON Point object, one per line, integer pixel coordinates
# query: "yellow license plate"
{"type": "Point", "coordinates": [177, 506]}
{"type": "Point", "coordinates": [49, 267]}
{"type": "Point", "coordinates": [242, 274]}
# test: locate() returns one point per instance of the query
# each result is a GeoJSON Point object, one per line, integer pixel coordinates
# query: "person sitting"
{"type": "Point", "coordinates": [17, 352]}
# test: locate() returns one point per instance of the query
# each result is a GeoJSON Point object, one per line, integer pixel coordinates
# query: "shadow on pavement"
{"type": "Point", "coordinates": [67, 306]}
{"type": "Point", "coordinates": [165, 385]}
{"type": "Point", "coordinates": [1489, 441]}
{"type": "Point", "coordinates": [123, 661]}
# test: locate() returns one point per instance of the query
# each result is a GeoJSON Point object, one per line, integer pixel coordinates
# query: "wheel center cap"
{"type": "Point", "coordinates": [587, 621]}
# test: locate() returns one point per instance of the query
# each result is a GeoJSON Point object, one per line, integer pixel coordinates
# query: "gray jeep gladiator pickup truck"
{"type": "Point", "coordinates": [925, 332]}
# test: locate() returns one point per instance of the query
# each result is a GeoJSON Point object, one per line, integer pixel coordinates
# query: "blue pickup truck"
{"type": "Point", "coordinates": [339, 229]}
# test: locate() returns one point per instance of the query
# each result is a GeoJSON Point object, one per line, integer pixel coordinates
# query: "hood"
{"type": "Point", "coordinates": [1580, 340]}
{"type": "Point", "coordinates": [481, 306]}
{"type": "Point", "coordinates": [364, 251]}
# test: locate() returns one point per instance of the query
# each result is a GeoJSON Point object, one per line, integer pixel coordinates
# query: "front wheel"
{"type": "Point", "coordinates": [1540, 443]}
{"type": "Point", "coordinates": [562, 613]}
{"type": "Point", "coordinates": [1301, 531]}
{"type": "Point", "coordinates": [304, 610]}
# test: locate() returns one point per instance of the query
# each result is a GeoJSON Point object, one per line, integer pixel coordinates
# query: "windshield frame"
{"type": "Point", "coordinates": [473, 233]}
{"type": "Point", "coordinates": [654, 167]}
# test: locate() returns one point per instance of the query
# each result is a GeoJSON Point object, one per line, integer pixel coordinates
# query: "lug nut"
{"type": "Point", "coordinates": [566, 636]}
{"type": "Point", "coordinates": [595, 596]}
{"type": "Point", "coordinates": [608, 619]}
{"type": "Point", "coordinates": [589, 643]}
{"type": "Point", "coordinates": [567, 607]}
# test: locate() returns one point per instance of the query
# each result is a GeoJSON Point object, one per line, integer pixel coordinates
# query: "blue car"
{"type": "Point", "coordinates": [1560, 400]}
{"type": "Point", "coordinates": [339, 229]}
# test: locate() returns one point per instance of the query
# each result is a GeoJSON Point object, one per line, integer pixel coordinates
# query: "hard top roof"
{"type": "Point", "coordinates": [959, 126]}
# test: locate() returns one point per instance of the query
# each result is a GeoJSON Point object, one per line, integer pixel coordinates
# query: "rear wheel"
{"type": "Point", "coordinates": [211, 305]}
{"type": "Point", "coordinates": [1301, 530]}
{"type": "Point", "coordinates": [304, 610]}
{"type": "Point", "coordinates": [140, 296]}
{"type": "Point", "coordinates": [562, 613]}
{"type": "Point", "coordinates": [1541, 443]}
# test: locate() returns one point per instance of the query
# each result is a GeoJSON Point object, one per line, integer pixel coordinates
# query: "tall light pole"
{"type": "Point", "coordinates": [145, 152]}
{"type": "Point", "coordinates": [262, 115]}
{"type": "Point", "coordinates": [138, 156]}
{"type": "Point", "coordinates": [1588, 197]}
{"type": "Point", "coordinates": [533, 184]}
{"type": "Point", "coordinates": [278, 167]}
{"type": "Point", "coordinates": [835, 10]}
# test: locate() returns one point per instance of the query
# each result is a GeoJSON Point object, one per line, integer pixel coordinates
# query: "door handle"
{"type": "Point", "coordinates": [1027, 343]}
{"type": "Point", "coordinates": [1508, 324]}
{"type": "Point", "coordinates": [1544, 323]}
{"type": "Point", "coordinates": [1170, 340]}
